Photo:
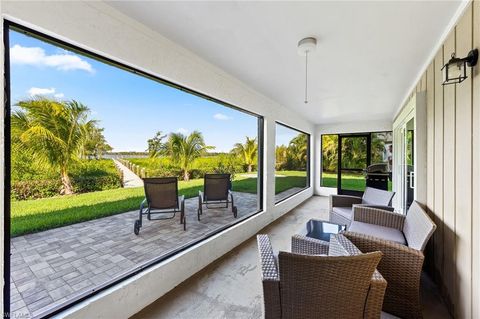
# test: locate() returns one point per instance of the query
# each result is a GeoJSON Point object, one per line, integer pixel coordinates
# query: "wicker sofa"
{"type": "Point", "coordinates": [402, 240]}
{"type": "Point", "coordinates": [303, 284]}
{"type": "Point", "coordinates": [342, 206]}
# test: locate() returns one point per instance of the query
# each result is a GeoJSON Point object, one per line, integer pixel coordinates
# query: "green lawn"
{"type": "Point", "coordinates": [30, 216]}
{"type": "Point", "coordinates": [41, 214]}
{"type": "Point", "coordinates": [290, 179]}
{"type": "Point", "coordinates": [349, 181]}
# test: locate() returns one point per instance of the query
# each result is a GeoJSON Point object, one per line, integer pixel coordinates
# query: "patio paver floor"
{"type": "Point", "coordinates": [50, 267]}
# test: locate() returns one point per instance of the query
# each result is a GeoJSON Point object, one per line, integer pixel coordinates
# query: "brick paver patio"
{"type": "Point", "coordinates": [51, 267]}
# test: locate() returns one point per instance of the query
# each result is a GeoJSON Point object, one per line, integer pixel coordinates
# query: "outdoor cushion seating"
{"type": "Point", "coordinates": [383, 232]}
{"type": "Point", "coordinates": [342, 213]}
{"type": "Point", "coordinates": [401, 264]}
{"type": "Point", "coordinates": [341, 283]}
{"type": "Point", "coordinates": [342, 206]}
{"type": "Point", "coordinates": [161, 198]}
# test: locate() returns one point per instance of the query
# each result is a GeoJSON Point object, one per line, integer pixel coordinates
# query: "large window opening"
{"type": "Point", "coordinates": [291, 161]}
{"type": "Point", "coordinates": [351, 162]}
{"type": "Point", "coordinates": [91, 140]}
{"type": "Point", "coordinates": [329, 160]}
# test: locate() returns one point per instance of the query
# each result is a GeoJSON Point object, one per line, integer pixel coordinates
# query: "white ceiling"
{"type": "Point", "coordinates": [368, 53]}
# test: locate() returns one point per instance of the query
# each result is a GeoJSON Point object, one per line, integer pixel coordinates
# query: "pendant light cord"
{"type": "Point", "coordinates": [306, 76]}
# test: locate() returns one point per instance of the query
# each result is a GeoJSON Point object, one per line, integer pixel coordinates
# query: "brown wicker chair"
{"type": "Point", "coordinates": [341, 206]}
{"type": "Point", "coordinates": [217, 189]}
{"type": "Point", "coordinates": [161, 197]}
{"type": "Point", "coordinates": [305, 285]}
{"type": "Point", "coordinates": [379, 230]}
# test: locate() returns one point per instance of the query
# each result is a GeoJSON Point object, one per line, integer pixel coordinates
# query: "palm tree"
{"type": "Point", "coordinates": [247, 151]}
{"type": "Point", "coordinates": [185, 149]}
{"type": "Point", "coordinates": [94, 145]}
{"type": "Point", "coordinates": [297, 150]}
{"type": "Point", "coordinates": [281, 157]}
{"type": "Point", "coordinates": [156, 146]}
{"type": "Point", "coordinates": [53, 132]}
{"type": "Point", "coordinates": [329, 152]}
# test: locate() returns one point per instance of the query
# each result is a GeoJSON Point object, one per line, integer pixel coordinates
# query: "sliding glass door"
{"type": "Point", "coordinates": [354, 158]}
{"type": "Point", "coordinates": [405, 163]}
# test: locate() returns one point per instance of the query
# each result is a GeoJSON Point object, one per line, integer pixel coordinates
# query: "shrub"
{"type": "Point", "coordinates": [87, 176]}
{"type": "Point", "coordinates": [94, 168]}
{"type": "Point", "coordinates": [163, 166]}
{"type": "Point", "coordinates": [92, 184]}
{"type": "Point", "coordinates": [34, 189]}
{"type": "Point", "coordinates": [163, 172]}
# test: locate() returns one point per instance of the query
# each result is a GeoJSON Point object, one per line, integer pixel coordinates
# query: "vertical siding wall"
{"type": "Point", "coordinates": [453, 170]}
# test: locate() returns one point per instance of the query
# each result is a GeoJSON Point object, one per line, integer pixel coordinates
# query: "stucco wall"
{"type": "Point", "coordinates": [100, 29]}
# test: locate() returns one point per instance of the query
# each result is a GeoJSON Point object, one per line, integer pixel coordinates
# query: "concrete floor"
{"type": "Point", "coordinates": [231, 287]}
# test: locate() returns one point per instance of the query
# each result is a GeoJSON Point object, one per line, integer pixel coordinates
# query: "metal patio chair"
{"type": "Point", "coordinates": [161, 197]}
{"type": "Point", "coordinates": [217, 189]}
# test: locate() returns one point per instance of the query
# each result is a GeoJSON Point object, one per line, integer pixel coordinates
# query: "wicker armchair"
{"type": "Point", "coordinates": [344, 284]}
{"type": "Point", "coordinates": [342, 206]}
{"type": "Point", "coordinates": [379, 230]}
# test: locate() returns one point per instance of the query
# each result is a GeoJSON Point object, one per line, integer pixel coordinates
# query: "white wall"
{"type": "Point", "coordinates": [100, 29]}
{"type": "Point", "coordinates": [351, 127]}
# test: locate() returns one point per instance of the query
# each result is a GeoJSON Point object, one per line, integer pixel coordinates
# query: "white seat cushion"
{"type": "Point", "coordinates": [345, 212]}
{"type": "Point", "coordinates": [375, 196]}
{"type": "Point", "coordinates": [382, 232]}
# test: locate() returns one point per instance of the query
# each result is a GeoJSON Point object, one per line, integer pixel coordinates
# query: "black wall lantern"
{"type": "Point", "coordinates": [455, 71]}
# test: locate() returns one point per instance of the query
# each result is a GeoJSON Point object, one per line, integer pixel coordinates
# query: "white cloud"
{"type": "Point", "coordinates": [34, 91]}
{"type": "Point", "coordinates": [40, 91]}
{"type": "Point", "coordinates": [36, 56]}
{"type": "Point", "coordinates": [182, 130]}
{"type": "Point", "coordinates": [221, 117]}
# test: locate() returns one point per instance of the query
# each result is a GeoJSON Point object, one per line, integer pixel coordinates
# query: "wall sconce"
{"type": "Point", "coordinates": [455, 71]}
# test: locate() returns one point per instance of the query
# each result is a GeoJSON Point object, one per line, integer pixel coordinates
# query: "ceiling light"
{"type": "Point", "coordinates": [305, 47]}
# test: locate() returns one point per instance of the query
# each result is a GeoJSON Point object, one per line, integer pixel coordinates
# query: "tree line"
{"type": "Point", "coordinates": [54, 135]}
{"type": "Point", "coordinates": [354, 151]}
{"type": "Point", "coordinates": [184, 149]}
{"type": "Point", "coordinates": [294, 155]}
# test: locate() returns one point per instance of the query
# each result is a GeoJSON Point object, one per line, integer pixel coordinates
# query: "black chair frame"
{"type": "Point", "coordinates": [146, 209]}
{"type": "Point", "coordinates": [204, 201]}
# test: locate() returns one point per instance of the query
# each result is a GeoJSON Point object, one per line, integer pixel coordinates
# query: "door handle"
{"type": "Point", "coordinates": [411, 176]}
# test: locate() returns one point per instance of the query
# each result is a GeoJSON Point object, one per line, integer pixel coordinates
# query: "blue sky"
{"type": "Point", "coordinates": [130, 108]}
{"type": "Point", "coordinates": [284, 135]}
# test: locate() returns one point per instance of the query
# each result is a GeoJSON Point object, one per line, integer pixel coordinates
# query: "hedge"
{"type": "Point", "coordinates": [163, 166]}
{"type": "Point", "coordinates": [86, 176]}
{"type": "Point", "coordinates": [34, 189]}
